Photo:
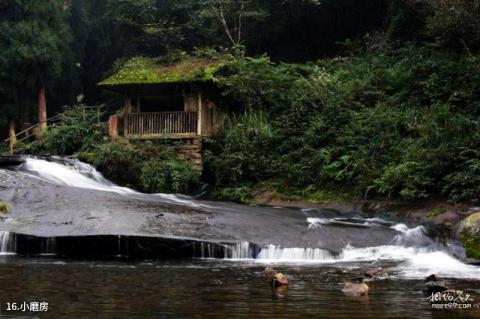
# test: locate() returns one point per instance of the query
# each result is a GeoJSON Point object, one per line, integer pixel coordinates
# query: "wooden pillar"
{"type": "Point", "coordinates": [200, 113]}
{"type": "Point", "coordinates": [12, 137]}
{"type": "Point", "coordinates": [113, 127]}
{"type": "Point", "coordinates": [42, 109]}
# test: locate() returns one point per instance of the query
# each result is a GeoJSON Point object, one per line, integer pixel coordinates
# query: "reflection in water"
{"type": "Point", "coordinates": [205, 289]}
{"type": "Point", "coordinates": [280, 292]}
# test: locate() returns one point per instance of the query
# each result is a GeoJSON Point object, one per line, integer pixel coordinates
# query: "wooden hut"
{"type": "Point", "coordinates": [165, 101]}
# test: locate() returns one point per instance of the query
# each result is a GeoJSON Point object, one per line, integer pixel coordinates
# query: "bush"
{"type": "Point", "coordinates": [235, 194]}
{"type": "Point", "coordinates": [169, 176]}
{"type": "Point", "coordinates": [120, 162]}
{"type": "Point", "coordinates": [79, 129]}
{"type": "Point", "coordinates": [4, 208]}
{"type": "Point", "coordinates": [390, 122]}
{"type": "Point", "coordinates": [246, 152]}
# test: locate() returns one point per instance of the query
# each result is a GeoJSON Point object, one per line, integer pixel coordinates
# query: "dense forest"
{"type": "Point", "coordinates": [324, 99]}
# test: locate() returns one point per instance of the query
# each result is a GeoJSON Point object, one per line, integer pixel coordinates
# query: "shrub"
{"type": "Point", "coordinates": [120, 162]}
{"type": "Point", "coordinates": [236, 194]}
{"type": "Point", "coordinates": [471, 243]}
{"type": "Point", "coordinates": [79, 129]}
{"type": "Point", "coordinates": [169, 176]}
{"type": "Point", "coordinates": [246, 152]}
{"type": "Point", "coordinates": [391, 122]}
{"type": "Point", "coordinates": [4, 208]}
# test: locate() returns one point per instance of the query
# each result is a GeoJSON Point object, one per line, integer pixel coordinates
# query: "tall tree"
{"type": "Point", "coordinates": [33, 39]}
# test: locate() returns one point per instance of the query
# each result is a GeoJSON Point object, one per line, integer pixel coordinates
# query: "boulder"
{"type": "Point", "coordinates": [433, 285]}
{"type": "Point", "coordinates": [374, 272]}
{"type": "Point", "coordinates": [276, 279]}
{"type": "Point", "coordinates": [355, 289]}
{"type": "Point", "coordinates": [280, 280]}
{"type": "Point", "coordinates": [469, 234]}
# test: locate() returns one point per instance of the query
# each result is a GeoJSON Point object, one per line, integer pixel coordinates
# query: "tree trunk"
{"type": "Point", "coordinates": [12, 137]}
{"type": "Point", "coordinates": [42, 108]}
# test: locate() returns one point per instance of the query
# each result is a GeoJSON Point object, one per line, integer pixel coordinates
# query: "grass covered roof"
{"type": "Point", "coordinates": [141, 70]}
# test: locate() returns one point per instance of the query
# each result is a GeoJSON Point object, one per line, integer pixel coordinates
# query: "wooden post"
{"type": "Point", "coordinates": [200, 111]}
{"type": "Point", "coordinates": [12, 137]}
{"type": "Point", "coordinates": [113, 127]}
{"type": "Point", "coordinates": [42, 109]}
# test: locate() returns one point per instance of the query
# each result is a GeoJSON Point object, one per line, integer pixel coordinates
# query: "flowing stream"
{"type": "Point", "coordinates": [415, 252]}
{"type": "Point", "coordinates": [412, 253]}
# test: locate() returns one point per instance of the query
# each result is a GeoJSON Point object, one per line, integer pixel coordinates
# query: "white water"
{"type": "Point", "coordinates": [82, 175]}
{"type": "Point", "coordinates": [414, 254]}
{"type": "Point", "coordinates": [79, 175]}
{"type": "Point", "coordinates": [279, 254]}
{"type": "Point", "coordinates": [8, 243]}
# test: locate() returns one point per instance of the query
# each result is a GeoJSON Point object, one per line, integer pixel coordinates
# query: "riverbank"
{"type": "Point", "coordinates": [461, 220]}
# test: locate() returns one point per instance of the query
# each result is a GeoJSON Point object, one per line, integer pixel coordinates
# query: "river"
{"type": "Point", "coordinates": [118, 266]}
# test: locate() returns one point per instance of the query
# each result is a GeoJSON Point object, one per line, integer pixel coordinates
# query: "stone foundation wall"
{"type": "Point", "coordinates": [191, 151]}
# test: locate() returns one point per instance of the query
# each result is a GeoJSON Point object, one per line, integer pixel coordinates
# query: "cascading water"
{"type": "Point", "coordinates": [415, 254]}
{"type": "Point", "coordinates": [413, 251]}
{"type": "Point", "coordinates": [48, 246]}
{"type": "Point", "coordinates": [294, 254]}
{"type": "Point", "coordinates": [71, 172]}
{"type": "Point", "coordinates": [8, 243]}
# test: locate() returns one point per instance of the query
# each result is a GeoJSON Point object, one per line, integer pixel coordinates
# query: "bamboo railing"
{"type": "Point", "coordinates": [165, 124]}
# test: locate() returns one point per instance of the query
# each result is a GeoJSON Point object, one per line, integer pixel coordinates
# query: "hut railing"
{"type": "Point", "coordinates": [160, 124]}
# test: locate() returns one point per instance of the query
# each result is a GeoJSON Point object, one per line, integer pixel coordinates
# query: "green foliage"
{"type": "Point", "coordinates": [436, 212]}
{"type": "Point", "coordinates": [33, 40]}
{"type": "Point", "coordinates": [78, 129]}
{"type": "Point", "coordinates": [141, 70]}
{"type": "Point", "coordinates": [4, 208]}
{"type": "Point", "coordinates": [235, 194]}
{"type": "Point", "coordinates": [389, 123]}
{"type": "Point", "coordinates": [143, 166]}
{"type": "Point", "coordinates": [454, 23]}
{"type": "Point", "coordinates": [247, 150]}
{"type": "Point", "coordinates": [471, 243]}
{"type": "Point", "coordinates": [169, 176]}
{"type": "Point", "coordinates": [119, 162]}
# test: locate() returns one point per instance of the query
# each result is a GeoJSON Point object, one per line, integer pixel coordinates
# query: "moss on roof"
{"type": "Point", "coordinates": [141, 70]}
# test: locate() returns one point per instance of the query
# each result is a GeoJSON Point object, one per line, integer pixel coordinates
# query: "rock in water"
{"type": "Point", "coordinates": [275, 278]}
{"type": "Point", "coordinates": [434, 285]}
{"type": "Point", "coordinates": [374, 272]}
{"type": "Point", "coordinates": [280, 280]}
{"type": "Point", "coordinates": [431, 278]}
{"type": "Point", "coordinates": [355, 290]}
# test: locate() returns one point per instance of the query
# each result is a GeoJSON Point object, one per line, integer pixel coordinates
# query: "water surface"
{"type": "Point", "coordinates": [207, 289]}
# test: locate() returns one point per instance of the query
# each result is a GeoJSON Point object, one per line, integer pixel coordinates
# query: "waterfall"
{"type": "Point", "coordinates": [74, 173]}
{"type": "Point", "coordinates": [243, 250]}
{"type": "Point", "coordinates": [8, 243]}
{"type": "Point", "coordinates": [48, 246]}
{"type": "Point", "coordinates": [272, 252]}
{"type": "Point", "coordinates": [416, 237]}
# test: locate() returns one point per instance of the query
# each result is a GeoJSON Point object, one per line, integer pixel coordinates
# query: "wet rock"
{"type": "Point", "coordinates": [371, 272]}
{"type": "Point", "coordinates": [469, 233]}
{"type": "Point", "coordinates": [280, 280]}
{"type": "Point", "coordinates": [472, 222]}
{"type": "Point", "coordinates": [434, 285]}
{"type": "Point", "coordinates": [431, 278]}
{"type": "Point", "coordinates": [275, 278]}
{"type": "Point", "coordinates": [216, 282]}
{"type": "Point", "coordinates": [355, 289]}
{"type": "Point", "coordinates": [357, 280]}
{"type": "Point", "coordinates": [11, 161]}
